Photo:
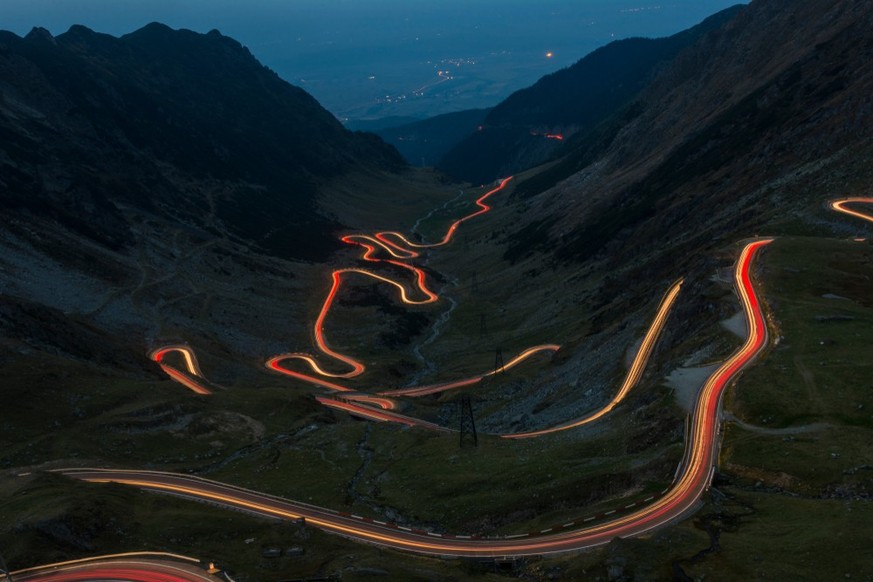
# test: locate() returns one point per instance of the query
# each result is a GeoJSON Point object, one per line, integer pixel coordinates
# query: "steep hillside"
{"type": "Point", "coordinates": [184, 125]}
{"type": "Point", "coordinates": [161, 184]}
{"type": "Point", "coordinates": [515, 134]}
{"type": "Point", "coordinates": [752, 121]}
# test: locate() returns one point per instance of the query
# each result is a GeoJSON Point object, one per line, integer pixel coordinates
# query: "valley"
{"type": "Point", "coordinates": [692, 479]}
{"type": "Point", "coordinates": [240, 342]}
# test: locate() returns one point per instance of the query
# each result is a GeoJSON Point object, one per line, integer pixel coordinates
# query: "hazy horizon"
{"type": "Point", "coordinates": [382, 58]}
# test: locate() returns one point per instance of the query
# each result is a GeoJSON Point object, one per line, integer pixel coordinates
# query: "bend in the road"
{"type": "Point", "coordinates": [192, 377]}
{"type": "Point", "coordinates": [682, 497]}
{"type": "Point", "coordinates": [841, 206]}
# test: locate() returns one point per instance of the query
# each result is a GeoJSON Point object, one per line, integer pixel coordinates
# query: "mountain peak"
{"type": "Point", "coordinates": [199, 104]}
{"type": "Point", "coordinates": [155, 28]}
{"type": "Point", "coordinates": [80, 30]}
{"type": "Point", "coordinates": [152, 32]}
{"type": "Point", "coordinates": [40, 34]}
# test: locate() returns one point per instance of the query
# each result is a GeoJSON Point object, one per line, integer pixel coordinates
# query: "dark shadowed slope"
{"type": "Point", "coordinates": [515, 134]}
{"type": "Point", "coordinates": [176, 123]}
{"type": "Point", "coordinates": [752, 120]}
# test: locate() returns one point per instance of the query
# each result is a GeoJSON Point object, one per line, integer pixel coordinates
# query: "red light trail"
{"type": "Point", "coordinates": [189, 379]}
{"type": "Point", "coordinates": [400, 248]}
{"type": "Point", "coordinates": [375, 407]}
{"type": "Point", "coordinates": [129, 567]}
{"type": "Point", "coordinates": [370, 245]}
{"type": "Point", "coordinates": [692, 481]}
{"type": "Point", "coordinates": [483, 208]}
{"type": "Point", "coordinates": [555, 136]}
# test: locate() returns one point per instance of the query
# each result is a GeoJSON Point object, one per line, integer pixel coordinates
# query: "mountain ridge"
{"type": "Point", "coordinates": [697, 132]}
{"type": "Point", "coordinates": [569, 102]}
{"type": "Point", "coordinates": [158, 105]}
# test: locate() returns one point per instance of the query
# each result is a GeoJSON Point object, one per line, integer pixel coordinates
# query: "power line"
{"type": "Point", "coordinates": [498, 361]}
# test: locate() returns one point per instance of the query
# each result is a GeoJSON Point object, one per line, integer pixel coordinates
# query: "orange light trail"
{"type": "Point", "coordinates": [384, 415]}
{"type": "Point", "coordinates": [371, 246]}
{"type": "Point", "coordinates": [483, 208]}
{"type": "Point", "coordinates": [633, 375]}
{"type": "Point", "coordinates": [363, 398]}
{"type": "Point", "coordinates": [357, 368]}
{"type": "Point", "coordinates": [840, 206]}
{"type": "Point", "coordinates": [131, 566]}
{"type": "Point", "coordinates": [193, 368]}
{"type": "Point", "coordinates": [435, 388]}
{"type": "Point", "coordinates": [693, 480]}
{"type": "Point", "coordinates": [370, 243]}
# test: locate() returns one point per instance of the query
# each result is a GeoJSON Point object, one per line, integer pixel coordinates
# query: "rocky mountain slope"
{"type": "Point", "coordinates": [175, 123]}
{"type": "Point", "coordinates": [570, 102]}
{"type": "Point", "coordinates": [157, 185]}
{"type": "Point", "coordinates": [750, 123]}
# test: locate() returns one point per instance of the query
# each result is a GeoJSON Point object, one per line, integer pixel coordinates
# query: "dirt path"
{"type": "Point", "coordinates": [816, 426]}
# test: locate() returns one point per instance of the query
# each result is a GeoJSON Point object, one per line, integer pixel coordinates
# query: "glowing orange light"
{"type": "Point", "coordinates": [404, 249]}
{"type": "Point", "coordinates": [840, 206]}
{"type": "Point", "coordinates": [436, 388]}
{"type": "Point", "coordinates": [633, 375]}
{"type": "Point", "coordinates": [693, 480]}
{"type": "Point", "coordinates": [193, 368]}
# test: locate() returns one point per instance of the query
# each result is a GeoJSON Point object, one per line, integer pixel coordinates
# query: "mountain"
{"type": "Point", "coordinates": [718, 138]}
{"type": "Point", "coordinates": [568, 103]}
{"type": "Point", "coordinates": [161, 184]}
{"type": "Point", "coordinates": [425, 142]}
{"type": "Point", "coordinates": [168, 122]}
{"type": "Point", "coordinates": [748, 132]}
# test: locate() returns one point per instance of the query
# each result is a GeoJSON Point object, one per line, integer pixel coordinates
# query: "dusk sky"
{"type": "Point", "coordinates": [367, 58]}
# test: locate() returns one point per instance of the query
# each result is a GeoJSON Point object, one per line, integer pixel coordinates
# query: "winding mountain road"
{"type": "Point", "coordinates": [377, 407]}
{"type": "Point", "coordinates": [191, 377]}
{"type": "Point", "coordinates": [404, 250]}
{"type": "Point", "coordinates": [682, 497]}
{"type": "Point", "coordinates": [841, 206]}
